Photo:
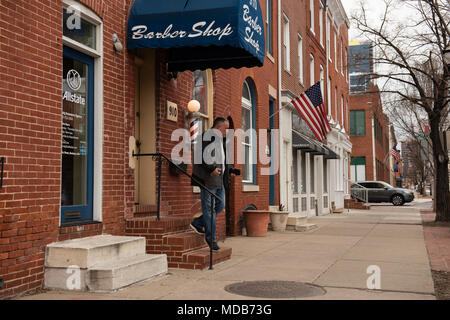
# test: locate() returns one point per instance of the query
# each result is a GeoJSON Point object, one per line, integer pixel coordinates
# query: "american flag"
{"type": "Point", "coordinates": [394, 152]}
{"type": "Point", "coordinates": [311, 108]}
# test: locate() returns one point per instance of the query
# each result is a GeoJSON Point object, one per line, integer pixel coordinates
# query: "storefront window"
{"type": "Point", "coordinates": [74, 132]}
{"type": "Point", "coordinates": [200, 93]}
{"type": "Point", "coordinates": [248, 123]}
{"type": "Point", "coordinates": [78, 29]}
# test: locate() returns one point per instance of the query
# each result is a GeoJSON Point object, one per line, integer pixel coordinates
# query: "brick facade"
{"type": "Point", "coordinates": [30, 126]}
{"type": "Point", "coordinates": [371, 103]}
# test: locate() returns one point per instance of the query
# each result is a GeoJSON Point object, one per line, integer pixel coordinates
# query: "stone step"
{"type": "Point", "coordinates": [124, 272]}
{"type": "Point", "coordinates": [87, 252]}
{"type": "Point", "coordinates": [185, 241]}
{"type": "Point", "coordinates": [107, 276]}
{"type": "Point", "coordinates": [199, 259]}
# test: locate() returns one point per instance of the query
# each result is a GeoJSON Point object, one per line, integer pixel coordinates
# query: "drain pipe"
{"type": "Point", "coordinates": [280, 143]}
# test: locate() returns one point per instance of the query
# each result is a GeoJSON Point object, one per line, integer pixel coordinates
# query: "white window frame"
{"type": "Point", "coordinates": [329, 95]}
{"type": "Point", "coordinates": [335, 51]}
{"type": "Point", "coordinates": [247, 104]}
{"type": "Point", "coordinates": [311, 15]}
{"type": "Point", "coordinates": [342, 57]}
{"type": "Point", "coordinates": [322, 81]}
{"type": "Point", "coordinates": [286, 44]}
{"type": "Point", "coordinates": [342, 110]}
{"type": "Point", "coordinates": [300, 59]}
{"type": "Point", "coordinates": [311, 69]}
{"type": "Point", "coordinates": [329, 38]}
{"type": "Point", "coordinates": [336, 104]}
{"type": "Point", "coordinates": [321, 22]}
{"type": "Point", "coordinates": [97, 54]}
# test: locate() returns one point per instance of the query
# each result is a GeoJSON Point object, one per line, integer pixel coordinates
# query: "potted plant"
{"type": "Point", "coordinates": [278, 219]}
{"type": "Point", "coordinates": [256, 222]}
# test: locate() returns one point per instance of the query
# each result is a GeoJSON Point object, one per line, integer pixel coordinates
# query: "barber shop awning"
{"type": "Point", "coordinates": [200, 34]}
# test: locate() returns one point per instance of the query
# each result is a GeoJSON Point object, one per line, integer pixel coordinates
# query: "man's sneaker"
{"type": "Point", "coordinates": [197, 229]}
{"type": "Point", "coordinates": [215, 247]}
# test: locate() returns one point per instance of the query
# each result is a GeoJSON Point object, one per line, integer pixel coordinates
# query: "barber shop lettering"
{"type": "Point", "coordinates": [252, 27]}
{"type": "Point", "coordinates": [140, 32]}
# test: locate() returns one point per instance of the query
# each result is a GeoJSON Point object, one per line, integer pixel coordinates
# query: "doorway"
{"type": "Point", "coordinates": [145, 128]}
{"type": "Point", "coordinates": [77, 137]}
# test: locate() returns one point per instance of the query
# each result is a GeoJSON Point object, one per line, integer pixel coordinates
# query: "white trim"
{"type": "Point", "coordinates": [301, 79]}
{"type": "Point", "coordinates": [97, 54]}
{"type": "Point", "coordinates": [286, 44]}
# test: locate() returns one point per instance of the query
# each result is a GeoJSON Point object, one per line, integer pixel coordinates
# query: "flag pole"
{"type": "Point", "coordinates": [278, 110]}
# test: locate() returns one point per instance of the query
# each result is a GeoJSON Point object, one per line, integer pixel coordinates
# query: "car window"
{"type": "Point", "coordinates": [378, 185]}
{"type": "Point", "coordinates": [370, 185]}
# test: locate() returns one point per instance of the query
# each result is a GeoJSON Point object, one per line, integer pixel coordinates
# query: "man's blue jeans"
{"type": "Point", "coordinates": [205, 219]}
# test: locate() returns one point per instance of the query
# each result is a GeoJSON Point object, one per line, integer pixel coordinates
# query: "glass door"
{"type": "Point", "coordinates": [77, 137]}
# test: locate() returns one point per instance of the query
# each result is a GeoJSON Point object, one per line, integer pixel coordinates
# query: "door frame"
{"type": "Point", "coordinates": [87, 213]}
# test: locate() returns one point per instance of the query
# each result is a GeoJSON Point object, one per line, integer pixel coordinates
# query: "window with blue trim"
{"type": "Point", "coordinates": [249, 126]}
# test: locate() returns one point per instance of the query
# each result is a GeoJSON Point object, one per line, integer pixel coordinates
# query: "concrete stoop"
{"type": "Point", "coordinates": [299, 224]}
{"type": "Point", "coordinates": [100, 263]}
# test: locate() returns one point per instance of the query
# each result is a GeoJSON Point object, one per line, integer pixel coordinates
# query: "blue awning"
{"type": "Point", "coordinates": [200, 34]}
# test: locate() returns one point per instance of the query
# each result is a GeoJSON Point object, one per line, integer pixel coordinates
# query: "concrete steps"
{"type": "Point", "coordinates": [100, 263]}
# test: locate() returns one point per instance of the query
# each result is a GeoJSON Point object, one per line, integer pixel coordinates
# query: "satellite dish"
{"type": "Point", "coordinates": [132, 150]}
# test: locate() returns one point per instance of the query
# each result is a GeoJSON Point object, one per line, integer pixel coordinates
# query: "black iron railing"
{"type": "Point", "coordinates": [160, 157]}
{"type": "Point", "coordinates": [2, 161]}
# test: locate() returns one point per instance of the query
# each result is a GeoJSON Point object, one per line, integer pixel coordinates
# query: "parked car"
{"type": "Point", "coordinates": [380, 191]}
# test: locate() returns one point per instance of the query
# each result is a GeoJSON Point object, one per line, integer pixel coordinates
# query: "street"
{"type": "Point", "coordinates": [382, 248]}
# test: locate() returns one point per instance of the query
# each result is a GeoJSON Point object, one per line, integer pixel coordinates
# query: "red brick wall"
{"type": "Point", "coordinates": [362, 145]}
{"type": "Point", "coordinates": [30, 128]}
{"type": "Point", "coordinates": [298, 14]}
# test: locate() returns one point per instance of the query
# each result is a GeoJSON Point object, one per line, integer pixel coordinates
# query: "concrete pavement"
{"type": "Point", "coordinates": [335, 256]}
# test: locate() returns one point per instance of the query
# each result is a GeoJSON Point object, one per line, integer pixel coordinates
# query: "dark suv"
{"type": "Point", "coordinates": [380, 191]}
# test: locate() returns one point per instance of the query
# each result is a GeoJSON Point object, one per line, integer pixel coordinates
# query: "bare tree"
{"type": "Point", "coordinates": [411, 59]}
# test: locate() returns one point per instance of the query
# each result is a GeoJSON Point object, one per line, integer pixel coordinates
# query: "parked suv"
{"type": "Point", "coordinates": [380, 191]}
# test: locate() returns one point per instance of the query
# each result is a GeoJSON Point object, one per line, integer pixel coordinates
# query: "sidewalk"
{"type": "Point", "coordinates": [437, 239]}
{"type": "Point", "coordinates": [335, 256]}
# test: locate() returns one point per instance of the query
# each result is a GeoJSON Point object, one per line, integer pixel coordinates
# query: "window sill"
{"type": "Point", "coordinates": [78, 223]}
{"type": "Point", "coordinates": [269, 56]}
{"type": "Point", "coordinates": [250, 188]}
{"type": "Point", "coordinates": [288, 72]}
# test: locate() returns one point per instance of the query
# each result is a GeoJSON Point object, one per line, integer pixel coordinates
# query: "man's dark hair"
{"type": "Point", "coordinates": [218, 121]}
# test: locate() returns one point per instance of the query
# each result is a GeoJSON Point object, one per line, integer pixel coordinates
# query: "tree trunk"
{"type": "Point", "coordinates": [441, 195]}
{"type": "Point", "coordinates": [441, 190]}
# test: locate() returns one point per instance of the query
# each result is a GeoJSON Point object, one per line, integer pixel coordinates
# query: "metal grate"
{"type": "Point", "coordinates": [325, 201]}
{"type": "Point", "coordinates": [312, 204]}
{"type": "Point", "coordinates": [275, 289]}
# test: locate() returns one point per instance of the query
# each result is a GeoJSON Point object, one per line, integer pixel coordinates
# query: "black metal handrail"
{"type": "Point", "coordinates": [160, 156]}
{"type": "Point", "coordinates": [2, 160]}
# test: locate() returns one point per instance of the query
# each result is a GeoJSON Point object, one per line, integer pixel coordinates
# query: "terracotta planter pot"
{"type": "Point", "coordinates": [278, 220]}
{"type": "Point", "coordinates": [256, 222]}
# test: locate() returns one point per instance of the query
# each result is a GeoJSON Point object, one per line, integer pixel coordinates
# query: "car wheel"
{"type": "Point", "coordinates": [398, 200]}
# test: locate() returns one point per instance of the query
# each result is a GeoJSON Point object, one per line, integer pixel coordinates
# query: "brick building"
{"type": "Point", "coordinates": [119, 94]}
{"type": "Point", "coordinates": [313, 174]}
{"type": "Point", "coordinates": [369, 126]}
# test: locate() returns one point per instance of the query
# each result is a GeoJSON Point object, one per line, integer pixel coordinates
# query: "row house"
{"type": "Point", "coordinates": [369, 125]}
{"type": "Point", "coordinates": [88, 84]}
{"type": "Point", "coordinates": [313, 174]}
